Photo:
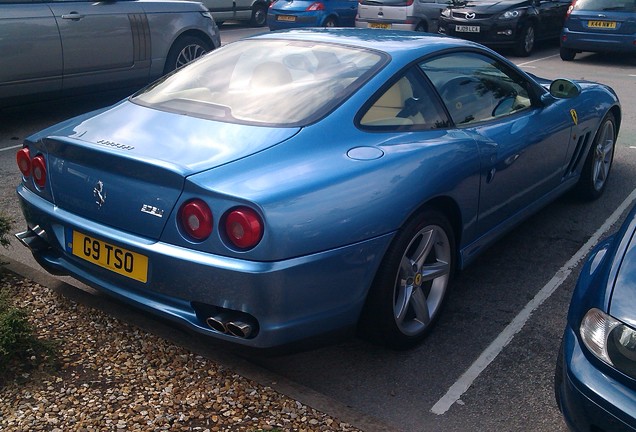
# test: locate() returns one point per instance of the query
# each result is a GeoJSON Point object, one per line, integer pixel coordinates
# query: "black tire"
{"type": "Point", "coordinates": [411, 286]}
{"type": "Point", "coordinates": [558, 377]}
{"type": "Point", "coordinates": [598, 163]}
{"type": "Point", "coordinates": [330, 22]}
{"type": "Point", "coordinates": [421, 27]}
{"type": "Point", "coordinates": [526, 41]}
{"type": "Point", "coordinates": [567, 54]}
{"type": "Point", "coordinates": [184, 50]}
{"type": "Point", "coordinates": [259, 15]}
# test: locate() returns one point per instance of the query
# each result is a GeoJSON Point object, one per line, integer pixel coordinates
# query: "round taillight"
{"type": "Point", "coordinates": [38, 168]}
{"type": "Point", "coordinates": [23, 158]}
{"type": "Point", "coordinates": [196, 219]}
{"type": "Point", "coordinates": [244, 227]}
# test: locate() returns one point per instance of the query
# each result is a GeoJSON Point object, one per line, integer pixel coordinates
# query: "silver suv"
{"type": "Point", "coordinates": [59, 47]}
{"type": "Point", "coordinates": [418, 15]}
{"type": "Point", "coordinates": [254, 11]}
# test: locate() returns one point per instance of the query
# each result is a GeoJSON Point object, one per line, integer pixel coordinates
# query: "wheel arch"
{"type": "Point", "coordinates": [450, 209]}
{"type": "Point", "coordinates": [333, 16]}
{"type": "Point", "coordinates": [616, 111]}
{"type": "Point", "coordinates": [423, 22]}
{"type": "Point", "coordinates": [194, 33]}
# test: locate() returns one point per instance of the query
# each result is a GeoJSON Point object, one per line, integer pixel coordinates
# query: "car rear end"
{"type": "Point", "coordinates": [600, 26]}
{"type": "Point", "coordinates": [284, 14]}
{"type": "Point", "coordinates": [386, 14]}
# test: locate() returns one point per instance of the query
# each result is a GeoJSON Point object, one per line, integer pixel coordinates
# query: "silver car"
{"type": "Point", "coordinates": [418, 15]}
{"type": "Point", "coordinates": [59, 47]}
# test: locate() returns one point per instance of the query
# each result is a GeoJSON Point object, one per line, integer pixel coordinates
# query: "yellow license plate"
{"type": "Point", "coordinates": [602, 24]}
{"type": "Point", "coordinates": [380, 25]}
{"type": "Point", "coordinates": [289, 18]}
{"type": "Point", "coordinates": [111, 257]}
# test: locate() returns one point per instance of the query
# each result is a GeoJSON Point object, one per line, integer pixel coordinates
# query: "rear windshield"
{"type": "Point", "coordinates": [272, 82]}
{"type": "Point", "coordinates": [606, 5]}
{"type": "Point", "coordinates": [387, 2]}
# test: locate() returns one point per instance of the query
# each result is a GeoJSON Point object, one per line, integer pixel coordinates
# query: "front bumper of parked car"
{"type": "Point", "coordinates": [492, 33]}
{"type": "Point", "coordinates": [254, 304]}
{"type": "Point", "coordinates": [590, 396]}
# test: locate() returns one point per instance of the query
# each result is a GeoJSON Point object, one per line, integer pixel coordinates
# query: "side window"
{"type": "Point", "coordinates": [476, 88]}
{"type": "Point", "coordinates": [407, 104]}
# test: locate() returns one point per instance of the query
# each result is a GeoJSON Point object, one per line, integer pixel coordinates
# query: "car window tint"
{"type": "Point", "coordinates": [605, 5]}
{"type": "Point", "coordinates": [476, 88]}
{"type": "Point", "coordinates": [274, 82]}
{"type": "Point", "coordinates": [407, 104]}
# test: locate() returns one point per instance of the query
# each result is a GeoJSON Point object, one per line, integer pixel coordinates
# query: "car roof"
{"type": "Point", "coordinates": [393, 42]}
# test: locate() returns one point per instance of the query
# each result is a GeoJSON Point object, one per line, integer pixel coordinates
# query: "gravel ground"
{"type": "Point", "coordinates": [115, 376]}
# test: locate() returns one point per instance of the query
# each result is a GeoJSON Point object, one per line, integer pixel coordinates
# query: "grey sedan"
{"type": "Point", "coordinates": [51, 48]}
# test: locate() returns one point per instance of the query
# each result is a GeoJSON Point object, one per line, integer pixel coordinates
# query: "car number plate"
{"type": "Point", "coordinates": [467, 29]}
{"type": "Point", "coordinates": [380, 25]}
{"type": "Point", "coordinates": [110, 257]}
{"type": "Point", "coordinates": [602, 24]}
{"type": "Point", "coordinates": [289, 18]}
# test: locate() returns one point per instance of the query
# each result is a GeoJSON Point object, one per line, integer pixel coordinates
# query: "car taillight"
{"type": "Point", "coordinates": [315, 6]}
{"type": "Point", "coordinates": [196, 219]}
{"type": "Point", "coordinates": [243, 227]}
{"type": "Point", "coordinates": [409, 2]}
{"type": "Point", "coordinates": [38, 167]}
{"type": "Point", "coordinates": [23, 158]}
{"type": "Point", "coordinates": [570, 9]}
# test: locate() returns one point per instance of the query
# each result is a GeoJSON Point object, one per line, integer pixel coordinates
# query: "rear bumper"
{"type": "Point", "coordinates": [304, 19]}
{"type": "Point", "coordinates": [393, 25]}
{"type": "Point", "coordinates": [590, 399]}
{"type": "Point", "coordinates": [591, 42]}
{"type": "Point", "coordinates": [282, 302]}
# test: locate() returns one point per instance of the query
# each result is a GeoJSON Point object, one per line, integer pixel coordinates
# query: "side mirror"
{"type": "Point", "coordinates": [564, 89]}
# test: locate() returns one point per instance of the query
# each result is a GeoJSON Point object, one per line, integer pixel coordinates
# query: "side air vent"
{"type": "Point", "coordinates": [579, 153]}
{"type": "Point", "coordinates": [141, 36]}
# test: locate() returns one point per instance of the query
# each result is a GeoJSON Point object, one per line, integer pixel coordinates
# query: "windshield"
{"type": "Point", "coordinates": [605, 5]}
{"type": "Point", "coordinates": [273, 82]}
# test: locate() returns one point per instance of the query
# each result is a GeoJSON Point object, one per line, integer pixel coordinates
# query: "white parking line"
{"type": "Point", "coordinates": [537, 60]}
{"type": "Point", "coordinates": [11, 148]}
{"type": "Point", "coordinates": [465, 381]}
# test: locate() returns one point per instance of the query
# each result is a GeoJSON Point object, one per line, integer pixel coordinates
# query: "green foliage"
{"type": "Point", "coordinates": [20, 349]}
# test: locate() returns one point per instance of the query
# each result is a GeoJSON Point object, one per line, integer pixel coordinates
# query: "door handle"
{"type": "Point", "coordinates": [73, 16]}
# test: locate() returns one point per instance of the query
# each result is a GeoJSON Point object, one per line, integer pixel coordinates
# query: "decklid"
{"type": "Point", "coordinates": [125, 166]}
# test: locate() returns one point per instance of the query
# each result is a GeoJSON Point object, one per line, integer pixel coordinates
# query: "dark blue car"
{"type": "Point", "coordinates": [595, 378]}
{"type": "Point", "coordinates": [284, 14]}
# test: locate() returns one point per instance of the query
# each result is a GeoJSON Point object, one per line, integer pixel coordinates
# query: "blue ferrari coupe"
{"type": "Point", "coordinates": [595, 377]}
{"type": "Point", "coordinates": [310, 182]}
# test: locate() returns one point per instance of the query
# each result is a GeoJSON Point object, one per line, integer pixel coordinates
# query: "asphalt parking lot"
{"type": "Point", "coordinates": [489, 364]}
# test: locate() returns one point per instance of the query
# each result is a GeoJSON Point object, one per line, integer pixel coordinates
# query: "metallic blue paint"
{"type": "Point", "coordinates": [578, 36]}
{"type": "Point", "coordinates": [342, 11]}
{"type": "Point", "coordinates": [592, 394]}
{"type": "Point", "coordinates": [329, 214]}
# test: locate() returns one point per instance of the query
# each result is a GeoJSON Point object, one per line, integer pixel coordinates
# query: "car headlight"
{"type": "Point", "coordinates": [446, 13]}
{"type": "Point", "coordinates": [610, 340]}
{"type": "Point", "coordinates": [207, 15]}
{"type": "Point", "coordinates": [510, 14]}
